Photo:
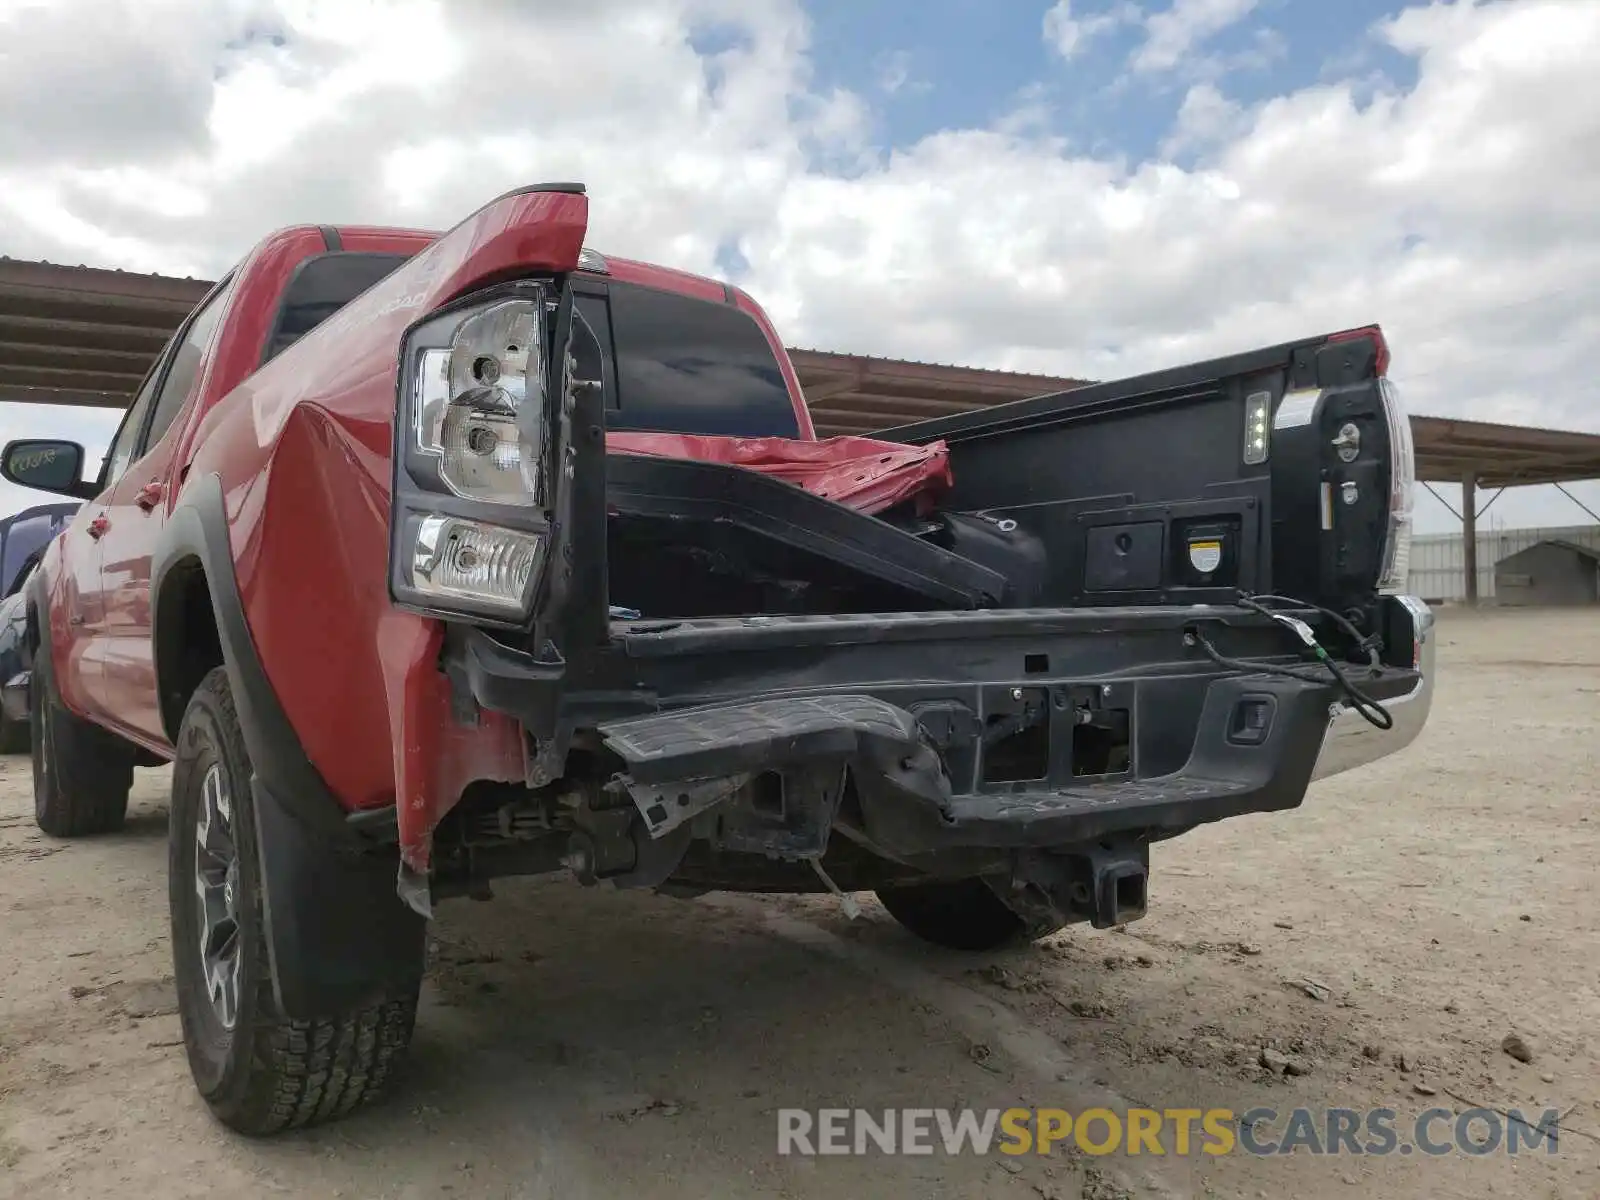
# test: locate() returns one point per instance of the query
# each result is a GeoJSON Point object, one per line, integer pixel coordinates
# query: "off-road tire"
{"type": "Point", "coordinates": [81, 773]}
{"type": "Point", "coordinates": [268, 1072]}
{"type": "Point", "coordinates": [959, 914]}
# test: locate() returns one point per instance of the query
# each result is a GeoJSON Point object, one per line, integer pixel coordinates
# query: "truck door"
{"type": "Point", "coordinates": [135, 512]}
{"type": "Point", "coordinates": [81, 647]}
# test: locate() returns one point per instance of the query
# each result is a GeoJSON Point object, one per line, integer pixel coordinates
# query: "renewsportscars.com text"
{"type": "Point", "coordinates": [1178, 1131]}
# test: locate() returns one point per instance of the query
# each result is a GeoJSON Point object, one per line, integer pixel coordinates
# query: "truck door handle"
{"type": "Point", "coordinates": [98, 527]}
{"type": "Point", "coordinates": [148, 496]}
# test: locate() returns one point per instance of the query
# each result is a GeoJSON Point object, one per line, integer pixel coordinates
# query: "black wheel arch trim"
{"type": "Point", "coordinates": [197, 530]}
{"type": "Point", "coordinates": [338, 935]}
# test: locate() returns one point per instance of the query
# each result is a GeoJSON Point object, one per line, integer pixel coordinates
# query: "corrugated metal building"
{"type": "Point", "coordinates": [1550, 573]}
{"type": "Point", "coordinates": [1438, 571]}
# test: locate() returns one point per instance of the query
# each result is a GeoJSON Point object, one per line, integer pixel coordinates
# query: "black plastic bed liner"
{"type": "Point", "coordinates": [769, 525]}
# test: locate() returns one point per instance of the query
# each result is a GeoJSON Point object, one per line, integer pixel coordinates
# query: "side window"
{"type": "Point", "coordinates": [185, 366]}
{"type": "Point", "coordinates": [122, 448]}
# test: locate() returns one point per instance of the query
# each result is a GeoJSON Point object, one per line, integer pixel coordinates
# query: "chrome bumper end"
{"type": "Point", "coordinates": [1351, 741]}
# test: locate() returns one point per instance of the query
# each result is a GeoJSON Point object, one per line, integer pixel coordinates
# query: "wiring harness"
{"type": "Point", "coordinates": [1371, 710]}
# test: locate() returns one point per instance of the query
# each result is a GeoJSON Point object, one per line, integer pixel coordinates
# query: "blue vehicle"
{"type": "Point", "coordinates": [23, 538]}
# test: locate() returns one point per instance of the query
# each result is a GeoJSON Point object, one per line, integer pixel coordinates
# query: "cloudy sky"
{"type": "Point", "coordinates": [1092, 187]}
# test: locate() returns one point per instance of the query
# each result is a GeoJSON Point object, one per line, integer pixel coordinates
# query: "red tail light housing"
{"type": "Point", "coordinates": [1380, 345]}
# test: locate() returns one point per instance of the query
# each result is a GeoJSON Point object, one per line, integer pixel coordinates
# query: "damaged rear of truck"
{"type": "Point", "coordinates": [434, 559]}
{"type": "Point", "coordinates": [978, 665]}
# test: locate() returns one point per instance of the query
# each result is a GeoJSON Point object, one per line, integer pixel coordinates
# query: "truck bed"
{"type": "Point", "coordinates": [1089, 498]}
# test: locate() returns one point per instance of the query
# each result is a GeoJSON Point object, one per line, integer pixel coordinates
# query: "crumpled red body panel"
{"type": "Point", "coordinates": [866, 474]}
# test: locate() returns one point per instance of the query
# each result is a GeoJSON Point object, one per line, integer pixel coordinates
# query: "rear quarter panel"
{"type": "Point", "coordinates": [302, 449]}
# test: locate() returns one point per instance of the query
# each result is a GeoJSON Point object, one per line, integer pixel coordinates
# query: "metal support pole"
{"type": "Point", "coordinates": [1469, 535]}
{"type": "Point", "coordinates": [1454, 512]}
{"type": "Point", "coordinates": [1580, 503]}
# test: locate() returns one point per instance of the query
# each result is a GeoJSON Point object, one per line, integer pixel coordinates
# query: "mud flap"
{"type": "Point", "coordinates": [338, 937]}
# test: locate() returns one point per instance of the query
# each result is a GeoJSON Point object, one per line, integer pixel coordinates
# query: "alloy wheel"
{"type": "Point", "coordinates": [216, 879]}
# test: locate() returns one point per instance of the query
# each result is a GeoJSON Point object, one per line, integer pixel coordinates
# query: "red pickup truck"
{"type": "Point", "coordinates": [430, 559]}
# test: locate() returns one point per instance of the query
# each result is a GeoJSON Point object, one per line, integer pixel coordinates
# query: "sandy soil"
{"type": "Point", "coordinates": [578, 1043]}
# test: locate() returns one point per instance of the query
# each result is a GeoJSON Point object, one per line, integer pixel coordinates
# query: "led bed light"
{"type": "Point", "coordinates": [1257, 426]}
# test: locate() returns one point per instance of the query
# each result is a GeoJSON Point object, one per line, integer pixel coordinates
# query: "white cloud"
{"type": "Point", "coordinates": [1068, 33]}
{"type": "Point", "coordinates": [895, 76]}
{"type": "Point", "coordinates": [1062, 32]}
{"type": "Point", "coordinates": [1206, 118]}
{"type": "Point", "coordinates": [1463, 213]}
{"type": "Point", "coordinates": [1175, 32]}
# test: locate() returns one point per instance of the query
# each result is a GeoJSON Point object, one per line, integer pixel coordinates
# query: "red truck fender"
{"type": "Point", "coordinates": [328, 884]}
{"type": "Point", "coordinates": [280, 526]}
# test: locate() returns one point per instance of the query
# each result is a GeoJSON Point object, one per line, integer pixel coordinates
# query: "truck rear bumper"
{"type": "Point", "coordinates": [894, 734]}
{"type": "Point", "coordinates": [1352, 741]}
{"type": "Point", "coordinates": [907, 804]}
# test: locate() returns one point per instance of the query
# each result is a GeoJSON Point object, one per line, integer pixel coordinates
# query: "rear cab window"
{"type": "Point", "coordinates": [677, 364]}
{"type": "Point", "coordinates": [320, 287]}
{"type": "Point", "coordinates": [670, 363]}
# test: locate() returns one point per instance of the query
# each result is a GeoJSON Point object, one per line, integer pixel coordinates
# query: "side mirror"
{"type": "Point", "coordinates": [49, 466]}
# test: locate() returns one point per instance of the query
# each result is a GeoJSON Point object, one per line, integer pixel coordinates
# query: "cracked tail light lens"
{"type": "Point", "coordinates": [471, 524]}
{"type": "Point", "coordinates": [455, 559]}
{"type": "Point", "coordinates": [1396, 569]}
{"type": "Point", "coordinates": [480, 406]}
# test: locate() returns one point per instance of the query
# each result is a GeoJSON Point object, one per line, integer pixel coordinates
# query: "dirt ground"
{"type": "Point", "coordinates": [1384, 940]}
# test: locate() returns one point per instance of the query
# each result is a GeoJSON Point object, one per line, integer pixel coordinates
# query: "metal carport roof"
{"type": "Point", "coordinates": [85, 336]}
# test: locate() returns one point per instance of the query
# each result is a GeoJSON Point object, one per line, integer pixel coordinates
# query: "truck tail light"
{"type": "Point", "coordinates": [479, 405]}
{"type": "Point", "coordinates": [474, 477]}
{"type": "Point", "coordinates": [1396, 560]}
{"type": "Point", "coordinates": [1380, 345]}
{"type": "Point", "coordinates": [455, 559]}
